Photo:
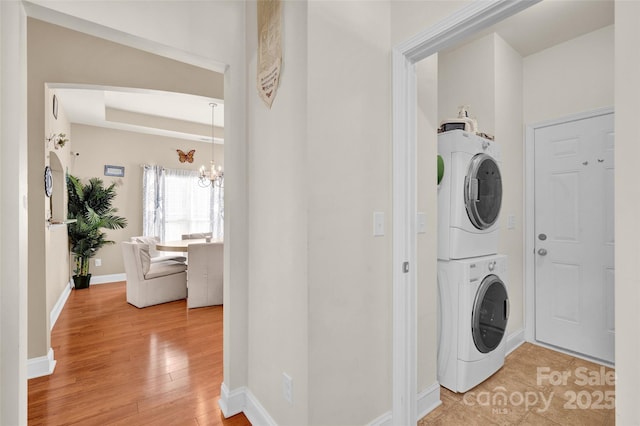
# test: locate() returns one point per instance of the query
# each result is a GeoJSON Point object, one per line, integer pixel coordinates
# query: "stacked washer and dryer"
{"type": "Point", "coordinates": [473, 300]}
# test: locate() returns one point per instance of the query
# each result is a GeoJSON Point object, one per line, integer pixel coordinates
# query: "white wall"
{"type": "Point", "coordinates": [427, 82]}
{"type": "Point", "coordinates": [466, 77]}
{"type": "Point", "coordinates": [571, 77]}
{"type": "Point", "coordinates": [278, 242]}
{"type": "Point", "coordinates": [13, 215]}
{"type": "Point", "coordinates": [627, 91]}
{"type": "Point", "coordinates": [509, 133]}
{"type": "Point", "coordinates": [349, 175]}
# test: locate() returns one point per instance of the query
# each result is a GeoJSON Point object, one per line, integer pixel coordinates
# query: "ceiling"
{"type": "Point", "coordinates": [154, 112]}
{"type": "Point", "coordinates": [552, 22]}
{"type": "Point", "coordinates": [539, 27]}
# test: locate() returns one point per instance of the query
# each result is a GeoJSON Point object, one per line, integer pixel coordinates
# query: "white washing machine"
{"type": "Point", "coordinates": [473, 315]}
{"type": "Point", "coordinates": [469, 196]}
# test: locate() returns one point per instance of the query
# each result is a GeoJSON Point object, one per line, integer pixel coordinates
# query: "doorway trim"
{"type": "Point", "coordinates": [446, 33]}
{"type": "Point", "coordinates": [529, 216]}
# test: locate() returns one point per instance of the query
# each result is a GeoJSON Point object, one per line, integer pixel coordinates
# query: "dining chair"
{"type": "Point", "coordinates": [197, 236]}
{"type": "Point", "coordinates": [204, 274]}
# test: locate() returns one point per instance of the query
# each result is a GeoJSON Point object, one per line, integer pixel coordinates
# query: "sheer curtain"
{"type": "Point", "coordinates": [174, 204]}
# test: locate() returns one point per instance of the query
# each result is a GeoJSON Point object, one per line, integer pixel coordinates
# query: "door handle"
{"type": "Point", "coordinates": [542, 252]}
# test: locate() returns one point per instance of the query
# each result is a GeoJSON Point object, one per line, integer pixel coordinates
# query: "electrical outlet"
{"type": "Point", "coordinates": [287, 388]}
{"type": "Point", "coordinates": [98, 262]}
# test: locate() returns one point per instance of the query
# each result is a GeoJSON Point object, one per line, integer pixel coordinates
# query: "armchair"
{"type": "Point", "coordinates": [157, 256]}
{"type": "Point", "coordinates": [152, 283]}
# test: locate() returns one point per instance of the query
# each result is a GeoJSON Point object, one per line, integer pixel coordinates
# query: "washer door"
{"type": "Point", "coordinates": [490, 314]}
{"type": "Point", "coordinates": [483, 191]}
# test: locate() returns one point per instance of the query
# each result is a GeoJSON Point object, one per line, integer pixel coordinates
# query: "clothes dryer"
{"type": "Point", "coordinates": [473, 315]}
{"type": "Point", "coordinates": [469, 196]}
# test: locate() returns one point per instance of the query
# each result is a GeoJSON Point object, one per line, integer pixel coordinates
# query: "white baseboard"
{"type": "Point", "coordinates": [41, 366]}
{"type": "Point", "coordinates": [383, 420]}
{"type": "Point", "coordinates": [514, 340]}
{"type": "Point", "coordinates": [256, 413]}
{"type": "Point", "coordinates": [105, 279]}
{"type": "Point", "coordinates": [428, 400]}
{"type": "Point", "coordinates": [242, 400]}
{"type": "Point", "coordinates": [232, 402]}
{"type": "Point", "coordinates": [57, 308]}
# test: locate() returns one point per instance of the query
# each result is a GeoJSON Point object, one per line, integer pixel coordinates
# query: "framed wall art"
{"type": "Point", "coordinates": [117, 171]}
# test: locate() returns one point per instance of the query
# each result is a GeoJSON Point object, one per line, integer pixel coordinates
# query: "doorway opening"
{"type": "Point", "coordinates": [406, 59]}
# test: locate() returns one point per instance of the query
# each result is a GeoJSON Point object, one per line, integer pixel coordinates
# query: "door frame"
{"type": "Point", "coordinates": [529, 215]}
{"type": "Point", "coordinates": [474, 17]}
{"type": "Point", "coordinates": [14, 160]}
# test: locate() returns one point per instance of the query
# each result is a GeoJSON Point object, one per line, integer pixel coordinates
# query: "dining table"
{"type": "Point", "coordinates": [182, 245]}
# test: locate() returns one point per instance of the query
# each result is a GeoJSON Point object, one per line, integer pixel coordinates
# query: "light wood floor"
{"type": "Point", "coordinates": [117, 364]}
{"type": "Point", "coordinates": [579, 401]}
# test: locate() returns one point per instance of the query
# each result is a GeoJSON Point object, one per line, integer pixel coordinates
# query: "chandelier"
{"type": "Point", "coordinates": [214, 175]}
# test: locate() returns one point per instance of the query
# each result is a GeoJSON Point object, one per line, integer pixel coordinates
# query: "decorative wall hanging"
{"type": "Point", "coordinates": [59, 140]}
{"type": "Point", "coordinates": [117, 171]}
{"type": "Point", "coordinates": [55, 107]}
{"type": "Point", "coordinates": [48, 181]}
{"type": "Point", "coordinates": [185, 157]}
{"type": "Point", "coordinates": [269, 49]}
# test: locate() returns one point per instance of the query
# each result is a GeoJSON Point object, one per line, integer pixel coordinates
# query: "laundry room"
{"type": "Point", "coordinates": [506, 87]}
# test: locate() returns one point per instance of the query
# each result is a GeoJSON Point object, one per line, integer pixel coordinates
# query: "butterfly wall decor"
{"type": "Point", "coordinates": [185, 157]}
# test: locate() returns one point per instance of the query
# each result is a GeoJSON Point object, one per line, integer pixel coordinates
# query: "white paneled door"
{"type": "Point", "coordinates": [574, 236]}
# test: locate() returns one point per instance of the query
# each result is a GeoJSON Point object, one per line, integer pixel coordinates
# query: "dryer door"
{"type": "Point", "coordinates": [483, 191]}
{"type": "Point", "coordinates": [490, 314]}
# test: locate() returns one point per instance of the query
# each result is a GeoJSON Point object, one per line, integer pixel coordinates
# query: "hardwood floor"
{"type": "Point", "coordinates": [567, 391]}
{"type": "Point", "coordinates": [120, 365]}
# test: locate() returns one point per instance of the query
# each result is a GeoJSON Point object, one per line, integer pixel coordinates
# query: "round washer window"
{"type": "Point", "coordinates": [483, 191]}
{"type": "Point", "coordinates": [490, 314]}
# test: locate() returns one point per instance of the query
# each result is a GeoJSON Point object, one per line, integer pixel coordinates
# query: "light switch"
{"type": "Point", "coordinates": [511, 222]}
{"type": "Point", "coordinates": [421, 220]}
{"type": "Point", "coordinates": [378, 224]}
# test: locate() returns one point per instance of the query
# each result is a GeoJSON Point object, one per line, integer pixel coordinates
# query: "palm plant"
{"type": "Point", "coordinates": [90, 206]}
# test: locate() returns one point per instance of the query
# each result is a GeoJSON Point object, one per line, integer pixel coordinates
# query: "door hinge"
{"type": "Point", "coordinates": [405, 267]}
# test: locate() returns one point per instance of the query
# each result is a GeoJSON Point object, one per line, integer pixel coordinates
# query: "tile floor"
{"type": "Point", "coordinates": [585, 397]}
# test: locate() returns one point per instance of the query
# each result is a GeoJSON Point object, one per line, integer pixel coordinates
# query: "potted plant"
{"type": "Point", "coordinates": [90, 206]}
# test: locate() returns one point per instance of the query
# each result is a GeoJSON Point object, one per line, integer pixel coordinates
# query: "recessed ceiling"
{"type": "Point", "coordinates": [144, 111]}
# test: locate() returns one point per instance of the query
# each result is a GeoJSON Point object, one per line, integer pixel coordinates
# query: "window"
{"type": "Point", "coordinates": [174, 204]}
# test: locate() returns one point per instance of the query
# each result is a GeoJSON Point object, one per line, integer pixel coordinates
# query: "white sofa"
{"type": "Point", "coordinates": [152, 283]}
{"type": "Point", "coordinates": [204, 276]}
